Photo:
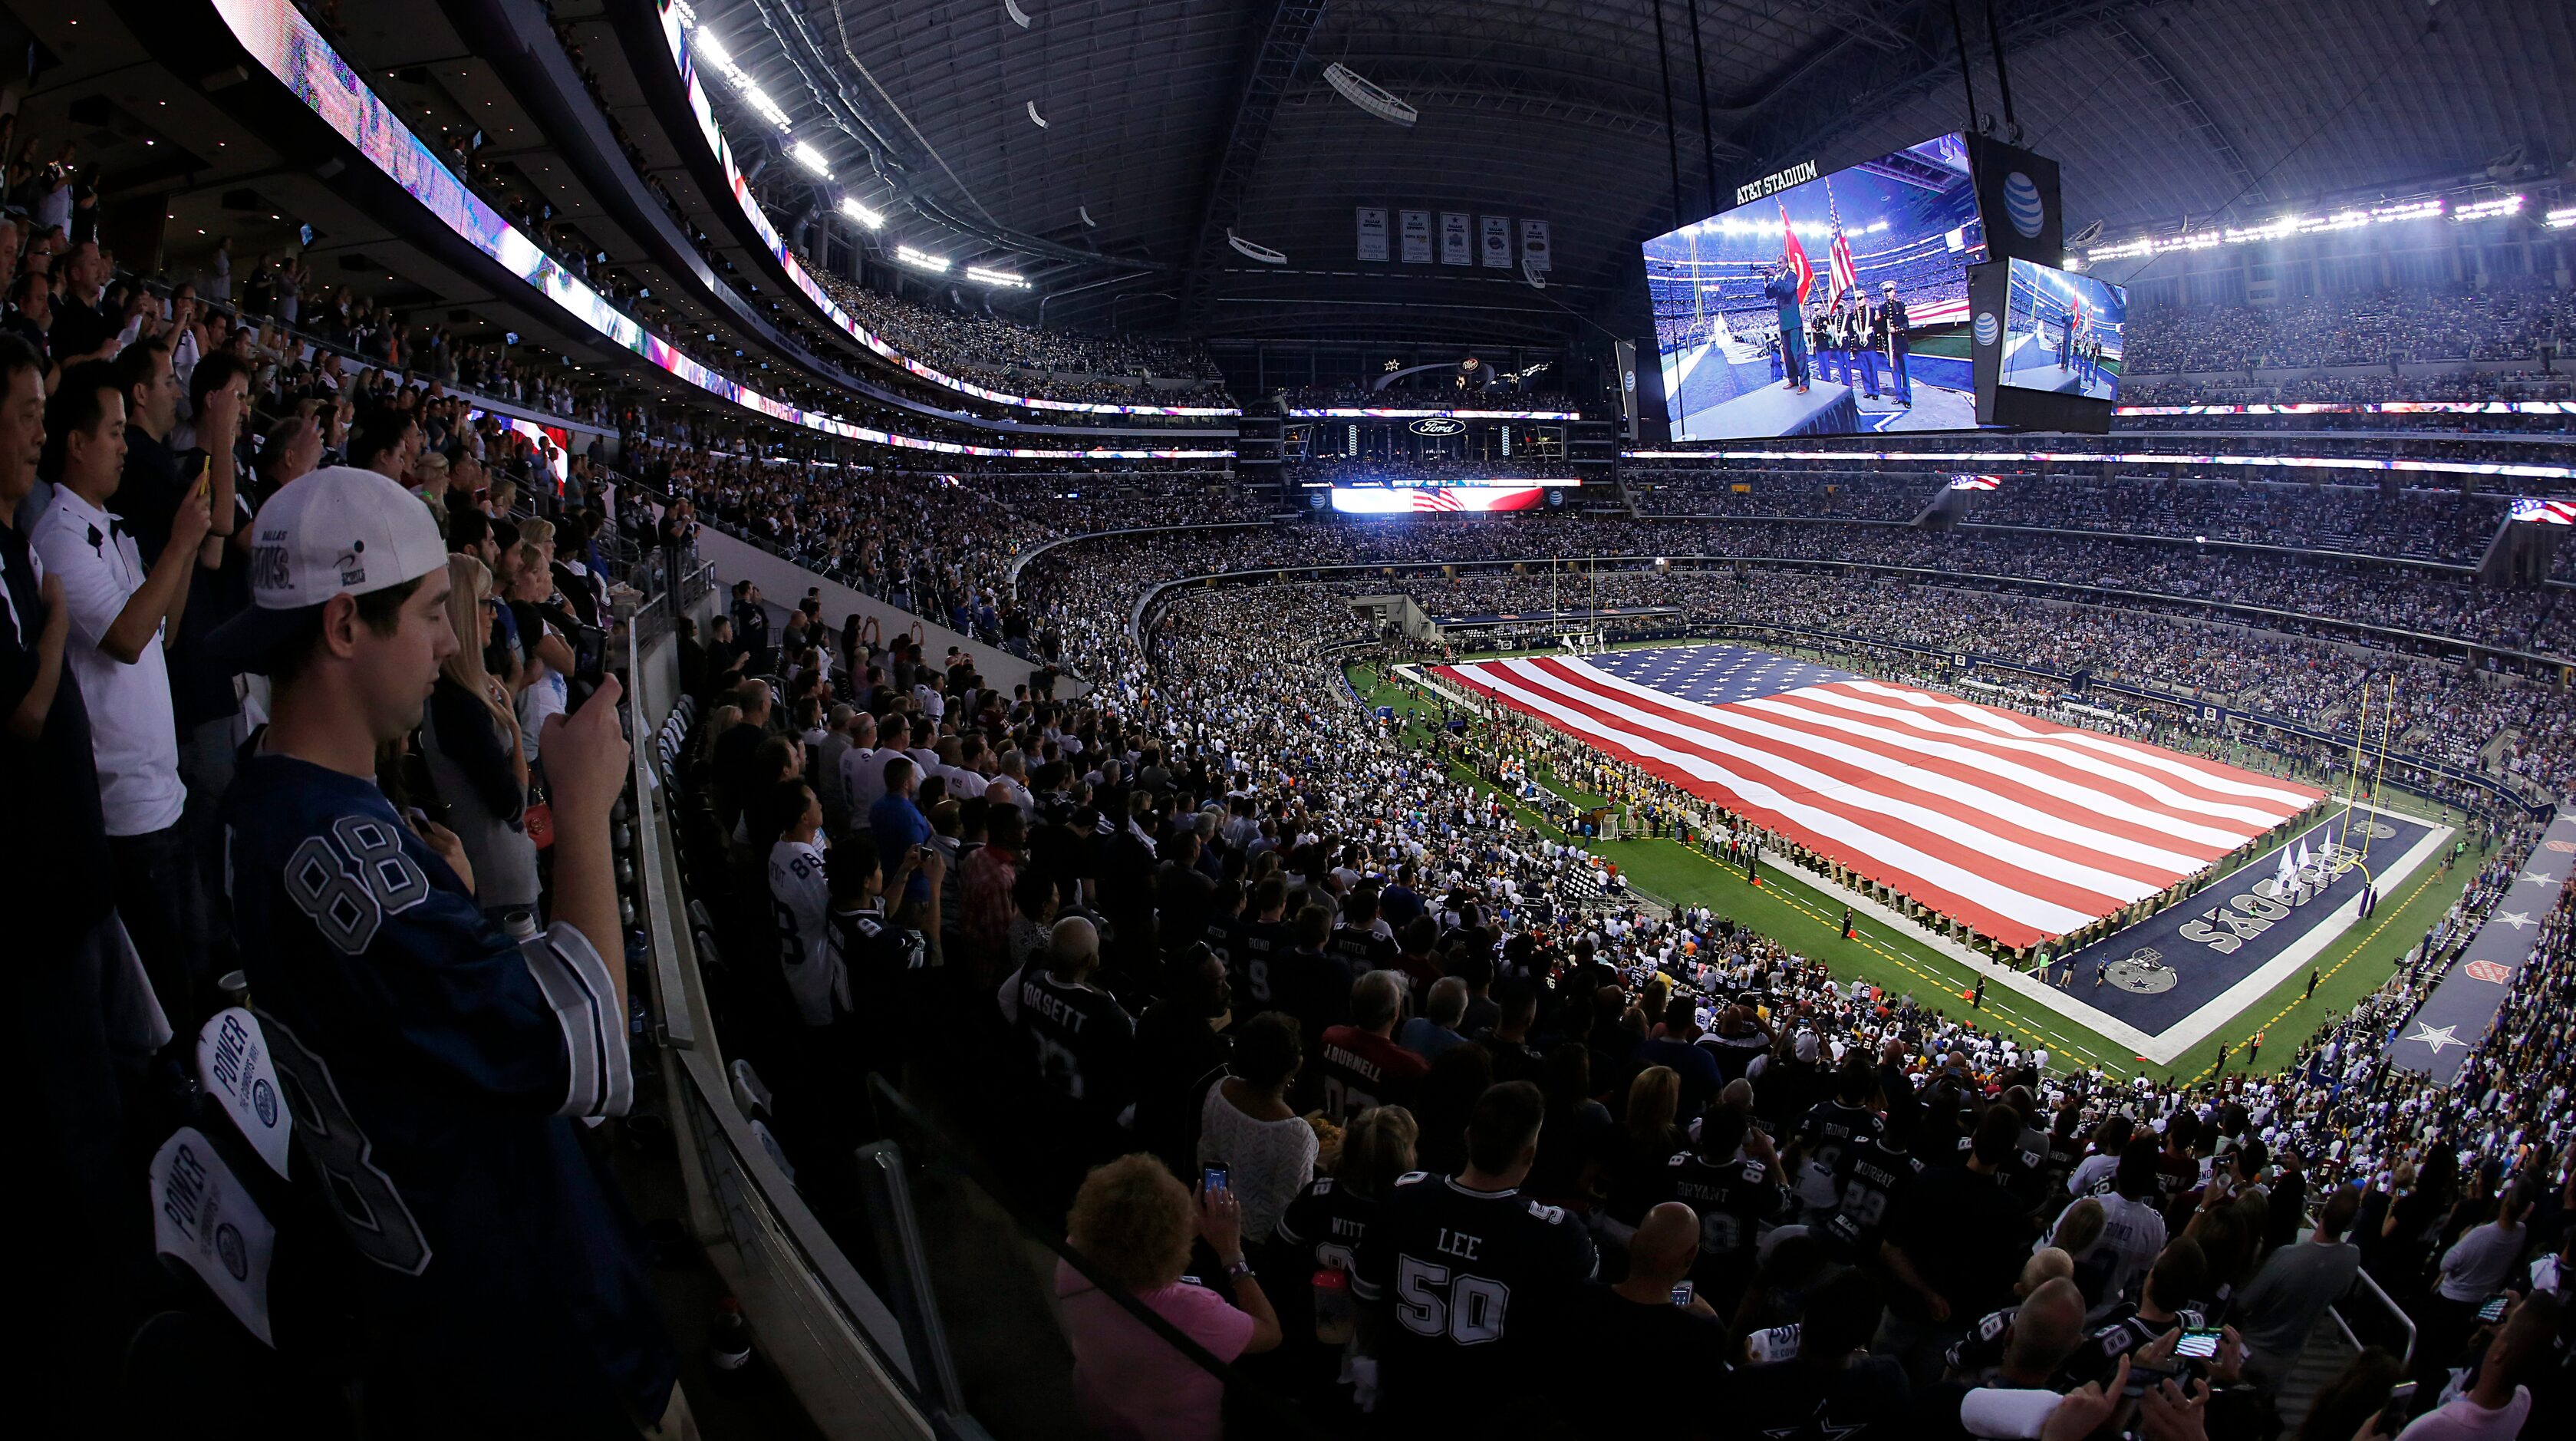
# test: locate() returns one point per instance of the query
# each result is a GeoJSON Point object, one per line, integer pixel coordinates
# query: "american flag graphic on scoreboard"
{"type": "Point", "coordinates": [2022, 828]}
{"type": "Point", "coordinates": [2545, 512]}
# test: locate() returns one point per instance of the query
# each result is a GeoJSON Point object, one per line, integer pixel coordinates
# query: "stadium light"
{"type": "Point", "coordinates": [996, 277]}
{"type": "Point", "coordinates": [2563, 218]}
{"type": "Point", "coordinates": [709, 49]}
{"type": "Point", "coordinates": [811, 158]}
{"type": "Point", "coordinates": [920, 260]}
{"type": "Point", "coordinates": [874, 220]}
{"type": "Point", "coordinates": [2490, 209]}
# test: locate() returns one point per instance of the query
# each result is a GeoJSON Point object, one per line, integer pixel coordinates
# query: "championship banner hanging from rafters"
{"type": "Point", "coordinates": [1372, 232]}
{"type": "Point", "coordinates": [1457, 239]}
{"type": "Point", "coordinates": [1417, 237]}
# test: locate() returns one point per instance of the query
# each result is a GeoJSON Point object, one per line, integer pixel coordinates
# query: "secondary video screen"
{"type": "Point", "coordinates": [1836, 306]}
{"type": "Point", "coordinates": [1447, 499]}
{"type": "Point", "coordinates": [2063, 332]}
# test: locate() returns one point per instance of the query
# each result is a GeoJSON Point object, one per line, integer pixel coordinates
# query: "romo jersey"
{"type": "Point", "coordinates": [431, 1063]}
{"type": "Point", "coordinates": [1829, 1129]}
{"type": "Point", "coordinates": [1471, 1279]}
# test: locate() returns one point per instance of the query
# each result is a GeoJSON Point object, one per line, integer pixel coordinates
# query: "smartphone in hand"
{"type": "Point", "coordinates": [1215, 1178]}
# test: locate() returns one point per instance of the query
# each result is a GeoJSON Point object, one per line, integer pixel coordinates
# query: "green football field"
{"type": "Point", "coordinates": [1810, 923]}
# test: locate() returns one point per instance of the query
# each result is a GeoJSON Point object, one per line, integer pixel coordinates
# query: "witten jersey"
{"type": "Point", "coordinates": [1326, 1224]}
{"type": "Point", "coordinates": [1471, 1279]}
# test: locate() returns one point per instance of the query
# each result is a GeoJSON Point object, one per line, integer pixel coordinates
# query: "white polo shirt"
{"type": "Point", "coordinates": [133, 733]}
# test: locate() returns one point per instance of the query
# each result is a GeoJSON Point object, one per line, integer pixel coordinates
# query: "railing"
{"type": "Point", "coordinates": [2380, 1316]}
{"type": "Point", "coordinates": [833, 1340]}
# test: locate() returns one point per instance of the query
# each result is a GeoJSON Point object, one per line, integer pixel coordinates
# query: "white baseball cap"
{"type": "Point", "coordinates": [338, 531]}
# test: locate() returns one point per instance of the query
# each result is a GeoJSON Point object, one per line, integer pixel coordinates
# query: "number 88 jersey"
{"type": "Point", "coordinates": [430, 1063]}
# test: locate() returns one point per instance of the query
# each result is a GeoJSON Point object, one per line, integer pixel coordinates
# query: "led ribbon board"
{"type": "Point", "coordinates": [289, 48]}
{"type": "Point", "coordinates": [675, 35]}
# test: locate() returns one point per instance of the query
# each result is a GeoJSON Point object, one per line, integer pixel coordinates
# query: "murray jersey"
{"type": "Point", "coordinates": [801, 901]}
{"type": "Point", "coordinates": [1871, 1176]}
{"type": "Point", "coordinates": [431, 1065]}
{"type": "Point", "coordinates": [1470, 1280]}
{"type": "Point", "coordinates": [1733, 1200]}
{"type": "Point", "coordinates": [1830, 1128]}
{"type": "Point", "coordinates": [1084, 1041]}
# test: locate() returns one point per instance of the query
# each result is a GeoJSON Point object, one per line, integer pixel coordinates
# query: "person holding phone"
{"type": "Point", "coordinates": [1132, 1224]}
{"type": "Point", "coordinates": [1247, 1128]}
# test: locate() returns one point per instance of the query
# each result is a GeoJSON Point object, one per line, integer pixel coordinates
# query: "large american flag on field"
{"type": "Point", "coordinates": [2024, 829]}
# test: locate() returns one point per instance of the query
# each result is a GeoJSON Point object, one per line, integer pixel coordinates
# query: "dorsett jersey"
{"type": "Point", "coordinates": [1084, 1040]}
{"type": "Point", "coordinates": [1872, 1174]}
{"type": "Point", "coordinates": [801, 901]}
{"type": "Point", "coordinates": [1472, 1281]}
{"type": "Point", "coordinates": [1733, 1199]}
{"type": "Point", "coordinates": [431, 1065]}
{"type": "Point", "coordinates": [1363, 1069]}
{"type": "Point", "coordinates": [1830, 1128]}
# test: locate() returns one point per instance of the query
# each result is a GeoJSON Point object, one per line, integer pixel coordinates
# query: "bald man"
{"type": "Point", "coordinates": [1083, 1041]}
{"type": "Point", "coordinates": [1637, 1324]}
{"type": "Point", "coordinates": [2014, 1397]}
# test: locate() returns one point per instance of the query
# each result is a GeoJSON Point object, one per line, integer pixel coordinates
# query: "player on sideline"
{"type": "Point", "coordinates": [432, 1063]}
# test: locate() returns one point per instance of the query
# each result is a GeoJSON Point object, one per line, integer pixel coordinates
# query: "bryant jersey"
{"type": "Point", "coordinates": [1084, 1040]}
{"type": "Point", "coordinates": [1830, 1128]}
{"type": "Point", "coordinates": [1470, 1281]}
{"type": "Point", "coordinates": [1871, 1176]}
{"type": "Point", "coordinates": [801, 902]}
{"type": "Point", "coordinates": [1361, 1069]}
{"type": "Point", "coordinates": [1733, 1200]}
{"type": "Point", "coordinates": [431, 1065]}
{"type": "Point", "coordinates": [2026, 1173]}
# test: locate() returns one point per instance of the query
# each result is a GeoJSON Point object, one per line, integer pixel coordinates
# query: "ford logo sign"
{"type": "Point", "coordinates": [1437, 425]}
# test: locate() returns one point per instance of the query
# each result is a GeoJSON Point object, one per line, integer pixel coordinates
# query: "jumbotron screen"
{"type": "Point", "coordinates": [2064, 332]}
{"type": "Point", "coordinates": [1867, 269]}
{"type": "Point", "coordinates": [1446, 499]}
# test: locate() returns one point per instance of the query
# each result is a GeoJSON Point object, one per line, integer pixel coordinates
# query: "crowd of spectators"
{"type": "Point", "coordinates": [1431, 393]}
{"type": "Point", "coordinates": [283, 670]}
{"type": "Point", "coordinates": [1216, 915]}
{"type": "Point", "coordinates": [2506, 320]}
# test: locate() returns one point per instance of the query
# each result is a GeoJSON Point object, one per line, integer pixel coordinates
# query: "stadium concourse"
{"type": "Point", "coordinates": [730, 718]}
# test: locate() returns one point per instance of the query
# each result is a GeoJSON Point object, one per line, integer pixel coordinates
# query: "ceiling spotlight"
{"type": "Point", "coordinates": [811, 158]}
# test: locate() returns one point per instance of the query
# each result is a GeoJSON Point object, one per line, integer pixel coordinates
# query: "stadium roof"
{"type": "Point", "coordinates": [1171, 122]}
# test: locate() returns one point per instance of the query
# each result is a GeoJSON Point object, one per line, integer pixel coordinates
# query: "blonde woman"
{"type": "Point", "coordinates": [470, 739]}
{"type": "Point", "coordinates": [1133, 1222]}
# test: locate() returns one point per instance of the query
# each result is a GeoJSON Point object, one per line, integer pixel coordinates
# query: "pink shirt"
{"type": "Point", "coordinates": [1131, 1383]}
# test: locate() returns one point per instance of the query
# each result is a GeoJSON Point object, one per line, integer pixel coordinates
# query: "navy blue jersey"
{"type": "Point", "coordinates": [1475, 1282]}
{"type": "Point", "coordinates": [432, 1066]}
